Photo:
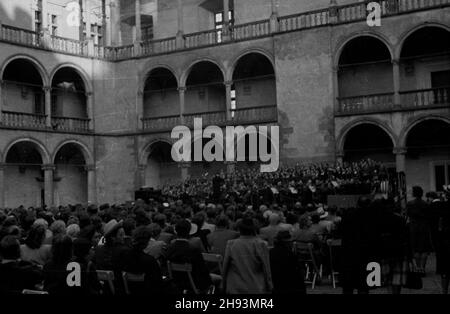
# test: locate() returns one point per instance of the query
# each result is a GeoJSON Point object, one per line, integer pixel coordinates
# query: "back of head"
{"type": "Point", "coordinates": [247, 227]}
{"type": "Point", "coordinates": [81, 248]}
{"type": "Point", "coordinates": [141, 236]}
{"type": "Point", "coordinates": [274, 219]}
{"type": "Point", "coordinates": [222, 222]}
{"type": "Point", "coordinates": [182, 228]}
{"type": "Point", "coordinates": [417, 192]}
{"type": "Point", "coordinates": [62, 249]}
{"type": "Point", "coordinates": [35, 236]}
{"type": "Point", "coordinates": [10, 248]}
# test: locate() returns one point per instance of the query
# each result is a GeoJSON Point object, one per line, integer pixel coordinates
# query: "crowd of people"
{"type": "Point", "coordinates": [255, 222]}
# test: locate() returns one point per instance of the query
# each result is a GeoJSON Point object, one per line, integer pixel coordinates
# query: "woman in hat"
{"type": "Point", "coordinates": [246, 262]}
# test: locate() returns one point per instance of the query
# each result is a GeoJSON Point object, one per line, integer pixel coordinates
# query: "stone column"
{"type": "Point", "coordinates": [1, 101]}
{"type": "Point", "coordinates": [335, 73]}
{"type": "Point", "coordinates": [92, 192]}
{"type": "Point", "coordinates": [141, 175]}
{"type": "Point", "coordinates": [105, 35]}
{"type": "Point", "coordinates": [116, 37]}
{"type": "Point", "coordinates": [87, 17]}
{"type": "Point", "coordinates": [138, 32]}
{"type": "Point", "coordinates": [2, 185]}
{"type": "Point", "coordinates": [228, 99]}
{"type": "Point", "coordinates": [48, 184]}
{"type": "Point", "coordinates": [140, 109]}
{"type": "Point", "coordinates": [90, 109]}
{"type": "Point", "coordinates": [80, 28]}
{"type": "Point", "coordinates": [340, 158]}
{"type": "Point", "coordinates": [44, 12]}
{"type": "Point", "coordinates": [182, 94]}
{"type": "Point", "coordinates": [396, 78]}
{"type": "Point", "coordinates": [180, 20]}
{"type": "Point", "coordinates": [400, 158]}
{"type": "Point", "coordinates": [48, 105]}
{"type": "Point", "coordinates": [274, 25]}
{"type": "Point", "coordinates": [226, 21]}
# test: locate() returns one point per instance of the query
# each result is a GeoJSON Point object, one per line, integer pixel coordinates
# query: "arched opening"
{"type": "Point", "coordinates": [425, 68]}
{"type": "Point", "coordinates": [160, 168]}
{"type": "Point", "coordinates": [368, 141]}
{"type": "Point", "coordinates": [205, 93]}
{"type": "Point", "coordinates": [161, 97]}
{"type": "Point", "coordinates": [22, 94]}
{"type": "Point", "coordinates": [254, 85]}
{"type": "Point", "coordinates": [428, 155]}
{"type": "Point", "coordinates": [24, 178]}
{"type": "Point", "coordinates": [365, 76]}
{"type": "Point", "coordinates": [70, 176]}
{"type": "Point", "coordinates": [68, 95]}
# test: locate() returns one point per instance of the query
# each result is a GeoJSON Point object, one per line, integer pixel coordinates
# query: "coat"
{"type": "Point", "coordinates": [247, 266]}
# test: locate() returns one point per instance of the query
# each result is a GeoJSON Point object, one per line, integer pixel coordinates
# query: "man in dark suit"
{"type": "Point", "coordinates": [135, 261]}
{"type": "Point", "coordinates": [219, 238]}
{"type": "Point", "coordinates": [182, 252]}
{"type": "Point", "coordinates": [16, 275]}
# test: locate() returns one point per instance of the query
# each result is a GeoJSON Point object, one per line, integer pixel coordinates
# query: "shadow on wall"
{"type": "Point", "coordinates": [15, 14]}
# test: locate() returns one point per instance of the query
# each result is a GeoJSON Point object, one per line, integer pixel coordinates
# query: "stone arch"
{"type": "Point", "coordinates": [45, 155]}
{"type": "Point", "coordinates": [342, 43]}
{"type": "Point", "coordinates": [403, 37]}
{"type": "Point", "coordinates": [185, 73]}
{"type": "Point", "coordinates": [340, 143]}
{"type": "Point", "coordinates": [38, 65]}
{"type": "Point", "coordinates": [83, 75]}
{"type": "Point", "coordinates": [235, 60]}
{"type": "Point", "coordinates": [88, 156]}
{"type": "Point", "coordinates": [404, 133]}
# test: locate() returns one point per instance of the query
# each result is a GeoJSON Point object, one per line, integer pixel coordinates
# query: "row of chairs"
{"type": "Point", "coordinates": [313, 268]}
{"type": "Point", "coordinates": [107, 277]}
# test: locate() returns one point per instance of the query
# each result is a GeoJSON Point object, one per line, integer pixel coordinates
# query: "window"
{"type": "Point", "coordinates": [37, 21]}
{"type": "Point", "coordinates": [96, 33]}
{"type": "Point", "coordinates": [219, 22]}
{"type": "Point", "coordinates": [233, 100]}
{"type": "Point", "coordinates": [441, 175]}
{"type": "Point", "coordinates": [54, 25]}
{"type": "Point", "coordinates": [147, 32]}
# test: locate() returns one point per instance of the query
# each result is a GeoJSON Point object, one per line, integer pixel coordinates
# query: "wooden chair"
{"type": "Point", "coordinates": [130, 277]}
{"type": "Point", "coordinates": [305, 254]}
{"type": "Point", "coordinates": [333, 246]}
{"type": "Point", "coordinates": [107, 276]}
{"type": "Point", "coordinates": [217, 260]}
{"type": "Point", "coordinates": [183, 268]}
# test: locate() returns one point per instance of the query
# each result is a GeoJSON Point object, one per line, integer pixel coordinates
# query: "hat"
{"type": "Point", "coordinates": [111, 226]}
{"type": "Point", "coordinates": [194, 229]}
{"type": "Point", "coordinates": [283, 236]}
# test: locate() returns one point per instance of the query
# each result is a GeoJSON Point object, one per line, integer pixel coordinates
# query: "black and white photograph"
{"type": "Point", "coordinates": [221, 154]}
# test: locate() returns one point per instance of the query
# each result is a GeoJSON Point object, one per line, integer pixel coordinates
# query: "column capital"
{"type": "Point", "coordinates": [90, 168]}
{"type": "Point", "coordinates": [142, 167]}
{"type": "Point", "coordinates": [47, 88]}
{"type": "Point", "coordinates": [400, 150]}
{"type": "Point", "coordinates": [89, 94]}
{"type": "Point", "coordinates": [228, 83]}
{"type": "Point", "coordinates": [395, 61]}
{"type": "Point", "coordinates": [182, 88]}
{"type": "Point", "coordinates": [48, 167]}
{"type": "Point", "coordinates": [2, 166]}
{"type": "Point", "coordinates": [140, 92]}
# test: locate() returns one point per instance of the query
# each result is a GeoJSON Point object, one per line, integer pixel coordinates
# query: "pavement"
{"type": "Point", "coordinates": [431, 284]}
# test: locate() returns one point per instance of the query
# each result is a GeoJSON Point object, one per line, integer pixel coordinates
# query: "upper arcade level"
{"type": "Point", "coordinates": [108, 28]}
